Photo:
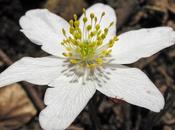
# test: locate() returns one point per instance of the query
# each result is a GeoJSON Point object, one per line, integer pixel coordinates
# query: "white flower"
{"type": "Point", "coordinates": [83, 62]}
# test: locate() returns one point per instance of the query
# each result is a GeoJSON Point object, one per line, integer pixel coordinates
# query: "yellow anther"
{"type": "Point", "coordinates": [76, 23]}
{"type": "Point", "coordinates": [71, 22]}
{"type": "Point", "coordinates": [111, 43]}
{"type": "Point", "coordinates": [65, 41]}
{"type": "Point", "coordinates": [92, 34]}
{"type": "Point", "coordinates": [99, 32]}
{"type": "Point", "coordinates": [91, 65]}
{"type": "Point", "coordinates": [86, 47]}
{"type": "Point", "coordinates": [103, 36]}
{"type": "Point", "coordinates": [95, 19]}
{"type": "Point", "coordinates": [89, 27]}
{"type": "Point", "coordinates": [74, 61]}
{"type": "Point", "coordinates": [99, 42]}
{"type": "Point", "coordinates": [80, 44]}
{"type": "Point", "coordinates": [106, 30]}
{"type": "Point", "coordinates": [73, 41]}
{"type": "Point", "coordinates": [84, 11]}
{"type": "Point", "coordinates": [71, 30]}
{"type": "Point", "coordinates": [93, 44]}
{"type": "Point", "coordinates": [103, 14]}
{"type": "Point", "coordinates": [97, 26]}
{"type": "Point", "coordinates": [70, 40]}
{"type": "Point", "coordinates": [112, 23]}
{"type": "Point", "coordinates": [108, 52]}
{"type": "Point", "coordinates": [99, 38]}
{"type": "Point", "coordinates": [100, 61]}
{"type": "Point", "coordinates": [84, 19]}
{"type": "Point", "coordinates": [92, 15]}
{"type": "Point", "coordinates": [64, 32]}
{"type": "Point", "coordinates": [68, 49]}
{"type": "Point", "coordinates": [103, 52]}
{"type": "Point", "coordinates": [67, 54]}
{"type": "Point", "coordinates": [75, 17]}
{"type": "Point", "coordinates": [62, 43]}
{"type": "Point", "coordinates": [77, 36]}
{"type": "Point", "coordinates": [115, 38]}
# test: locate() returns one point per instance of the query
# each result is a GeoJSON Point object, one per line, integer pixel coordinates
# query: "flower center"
{"type": "Point", "coordinates": [85, 46]}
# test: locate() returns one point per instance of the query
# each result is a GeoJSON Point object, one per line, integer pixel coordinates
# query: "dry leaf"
{"type": "Point", "coordinates": [15, 107]}
{"type": "Point", "coordinates": [168, 118]}
{"type": "Point", "coordinates": [66, 8]}
{"type": "Point", "coordinates": [167, 128]}
{"type": "Point", "coordinates": [171, 5]}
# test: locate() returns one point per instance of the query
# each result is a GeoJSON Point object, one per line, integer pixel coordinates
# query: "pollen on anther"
{"type": "Point", "coordinates": [85, 46]}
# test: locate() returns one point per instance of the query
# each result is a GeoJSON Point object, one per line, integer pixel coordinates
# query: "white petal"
{"type": "Point", "coordinates": [35, 70]}
{"type": "Point", "coordinates": [44, 28]}
{"type": "Point", "coordinates": [137, 44]}
{"type": "Point", "coordinates": [133, 86]}
{"type": "Point", "coordinates": [65, 101]}
{"type": "Point", "coordinates": [109, 17]}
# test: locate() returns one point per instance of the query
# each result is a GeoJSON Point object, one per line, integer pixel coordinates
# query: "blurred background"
{"type": "Point", "coordinates": [21, 103]}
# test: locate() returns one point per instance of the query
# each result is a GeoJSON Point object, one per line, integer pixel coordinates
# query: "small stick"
{"type": "Point", "coordinates": [5, 58]}
{"type": "Point", "coordinates": [27, 86]}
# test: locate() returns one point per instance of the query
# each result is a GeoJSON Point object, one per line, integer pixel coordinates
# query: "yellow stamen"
{"type": "Point", "coordinates": [73, 61]}
{"type": "Point", "coordinates": [83, 44]}
{"type": "Point", "coordinates": [100, 61]}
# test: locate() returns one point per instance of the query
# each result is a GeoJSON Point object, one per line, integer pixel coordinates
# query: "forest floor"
{"type": "Point", "coordinates": [21, 103]}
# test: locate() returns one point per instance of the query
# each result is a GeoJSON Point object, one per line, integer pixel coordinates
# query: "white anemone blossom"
{"type": "Point", "coordinates": [86, 56]}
